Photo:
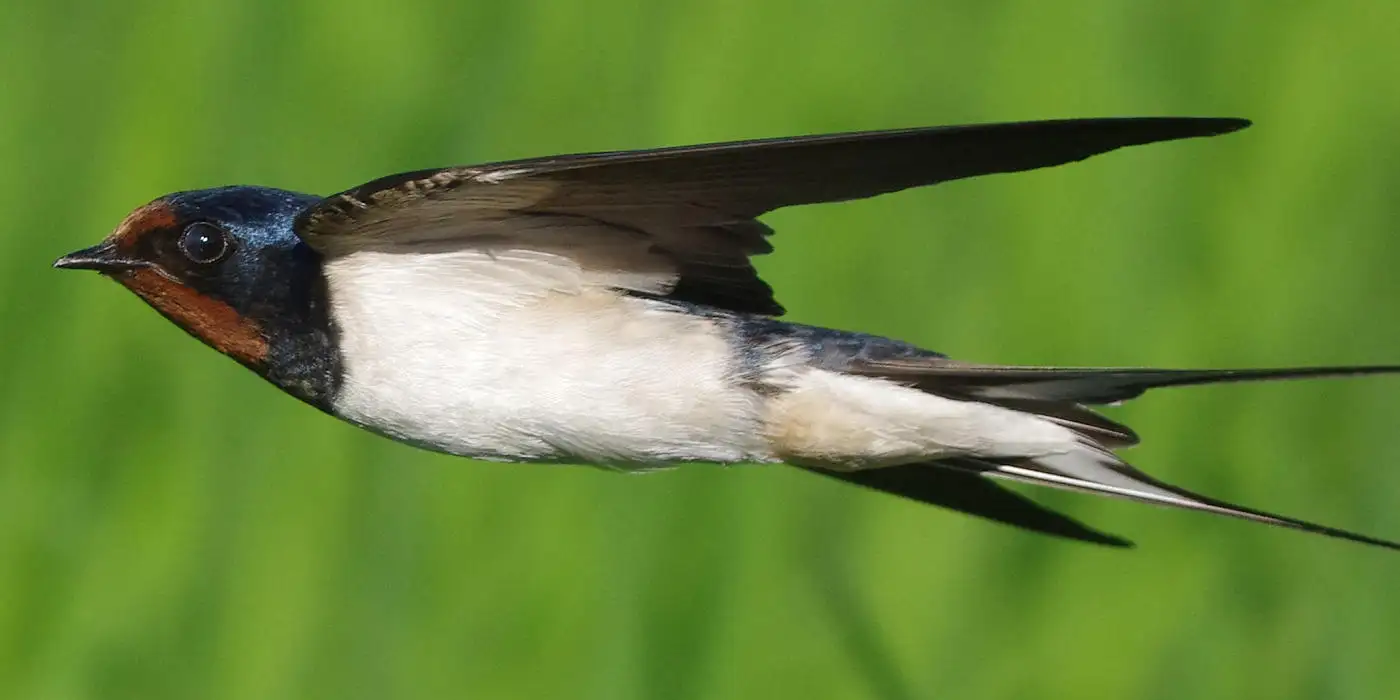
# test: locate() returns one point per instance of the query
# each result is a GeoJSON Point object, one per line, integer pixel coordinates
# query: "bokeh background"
{"type": "Point", "coordinates": [171, 527]}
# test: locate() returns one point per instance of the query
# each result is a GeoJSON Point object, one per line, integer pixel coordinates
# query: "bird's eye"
{"type": "Point", "coordinates": [204, 243]}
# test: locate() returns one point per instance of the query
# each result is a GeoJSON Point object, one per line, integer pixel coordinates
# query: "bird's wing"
{"type": "Point", "coordinates": [1060, 394]}
{"type": "Point", "coordinates": [687, 216]}
{"type": "Point", "coordinates": [958, 486]}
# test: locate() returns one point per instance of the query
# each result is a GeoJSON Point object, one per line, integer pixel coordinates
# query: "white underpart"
{"type": "Point", "coordinates": [513, 354]}
{"type": "Point", "coordinates": [526, 354]}
{"type": "Point", "coordinates": [840, 420]}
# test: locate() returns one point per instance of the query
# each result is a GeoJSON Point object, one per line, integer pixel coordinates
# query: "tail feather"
{"type": "Point", "coordinates": [1060, 395]}
{"type": "Point", "coordinates": [1089, 385]}
{"type": "Point", "coordinates": [965, 485]}
{"type": "Point", "coordinates": [1120, 480]}
{"type": "Point", "coordinates": [1086, 422]}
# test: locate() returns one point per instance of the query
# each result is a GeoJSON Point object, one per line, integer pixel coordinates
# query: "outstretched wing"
{"type": "Point", "coordinates": [681, 222]}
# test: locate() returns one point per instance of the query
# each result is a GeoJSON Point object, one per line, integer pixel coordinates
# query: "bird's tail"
{"type": "Point", "coordinates": [1059, 395]}
{"type": "Point", "coordinates": [1083, 385]}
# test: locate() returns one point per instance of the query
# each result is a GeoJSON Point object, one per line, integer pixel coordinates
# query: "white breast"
{"type": "Point", "coordinates": [514, 355]}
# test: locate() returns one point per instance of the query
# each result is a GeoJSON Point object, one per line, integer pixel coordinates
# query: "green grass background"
{"type": "Point", "coordinates": [171, 527]}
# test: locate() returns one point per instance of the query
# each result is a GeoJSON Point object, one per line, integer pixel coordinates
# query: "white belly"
{"type": "Point", "coordinates": [515, 360]}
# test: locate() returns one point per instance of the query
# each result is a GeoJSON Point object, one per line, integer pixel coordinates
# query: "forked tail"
{"type": "Point", "coordinates": [1060, 395]}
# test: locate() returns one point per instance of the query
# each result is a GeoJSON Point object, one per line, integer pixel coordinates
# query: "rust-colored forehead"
{"type": "Point", "coordinates": [153, 217]}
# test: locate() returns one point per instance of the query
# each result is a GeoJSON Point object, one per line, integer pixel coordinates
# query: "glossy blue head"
{"type": "Point", "coordinates": [234, 243]}
{"type": "Point", "coordinates": [226, 265]}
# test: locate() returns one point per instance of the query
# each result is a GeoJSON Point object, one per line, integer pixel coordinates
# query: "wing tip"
{"type": "Point", "coordinates": [960, 487]}
{"type": "Point", "coordinates": [1214, 126]}
{"type": "Point", "coordinates": [1171, 128]}
{"type": "Point", "coordinates": [1236, 123]}
{"type": "Point", "coordinates": [1107, 540]}
{"type": "Point", "coordinates": [1224, 125]}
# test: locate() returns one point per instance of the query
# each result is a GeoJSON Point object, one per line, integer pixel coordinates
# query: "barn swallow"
{"type": "Point", "coordinates": [603, 309]}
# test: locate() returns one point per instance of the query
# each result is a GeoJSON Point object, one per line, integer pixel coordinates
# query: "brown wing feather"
{"type": "Point", "coordinates": [956, 485]}
{"type": "Point", "coordinates": [697, 204]}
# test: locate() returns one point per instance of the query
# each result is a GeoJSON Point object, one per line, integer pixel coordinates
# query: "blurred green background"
{"type": "Point", "coordinates": [172, 527]}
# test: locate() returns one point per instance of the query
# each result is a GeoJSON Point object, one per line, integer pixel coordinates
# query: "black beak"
{"type": "Point", "coordinates": [103, 257]}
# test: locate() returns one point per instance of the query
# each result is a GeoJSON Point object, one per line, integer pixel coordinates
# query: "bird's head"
{"type": "Point", "coordinates": [226, 266]}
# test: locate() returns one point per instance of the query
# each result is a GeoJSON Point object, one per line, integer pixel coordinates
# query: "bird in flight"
{"type": "Point", "coordinates": [603, 308]}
